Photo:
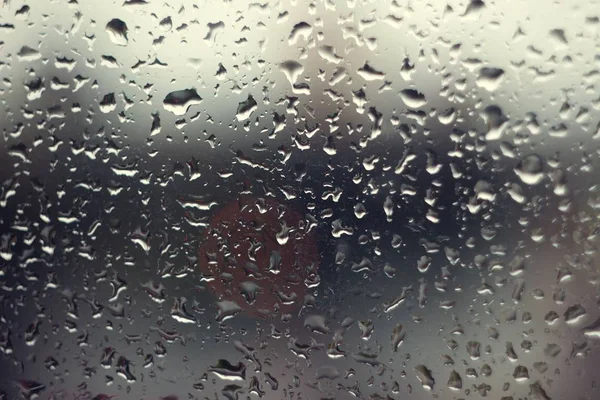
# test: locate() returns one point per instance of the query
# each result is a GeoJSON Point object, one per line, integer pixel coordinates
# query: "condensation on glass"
{"type": "Point", "coordinates": [299, 200]}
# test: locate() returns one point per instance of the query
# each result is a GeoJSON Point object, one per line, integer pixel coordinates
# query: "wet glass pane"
{"type": "Point", "coordinates": [299, 200]}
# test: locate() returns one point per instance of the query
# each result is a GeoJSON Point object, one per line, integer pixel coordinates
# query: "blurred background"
{"type": "Point", "coordinates": [423, 176]}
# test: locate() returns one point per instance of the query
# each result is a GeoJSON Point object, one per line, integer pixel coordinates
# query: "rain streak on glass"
{"type": "Point", "coordinates": [292, 199]}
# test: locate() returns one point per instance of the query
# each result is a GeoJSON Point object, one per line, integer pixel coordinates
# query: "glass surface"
{"type": "Point", "coordinates": [299, 200]}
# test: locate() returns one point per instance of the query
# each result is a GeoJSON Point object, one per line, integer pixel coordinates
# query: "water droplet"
{"type": "Point", "coordinates": [246, 108]}
{"type": "Point", "coordinates": [413, 98]}
{"type": "Point", "coordinates": [229, 372]}
{"type": "Point", "coordinates": [117, 31]}
{"type": "Point", "coordinates": [424, 376]}
{"type": "Point", "coordinates": [530, 169]}
{"type": "Point", "coordinates": [179, 101]}
{"type": "Point", "coordinates": [455, 381]}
